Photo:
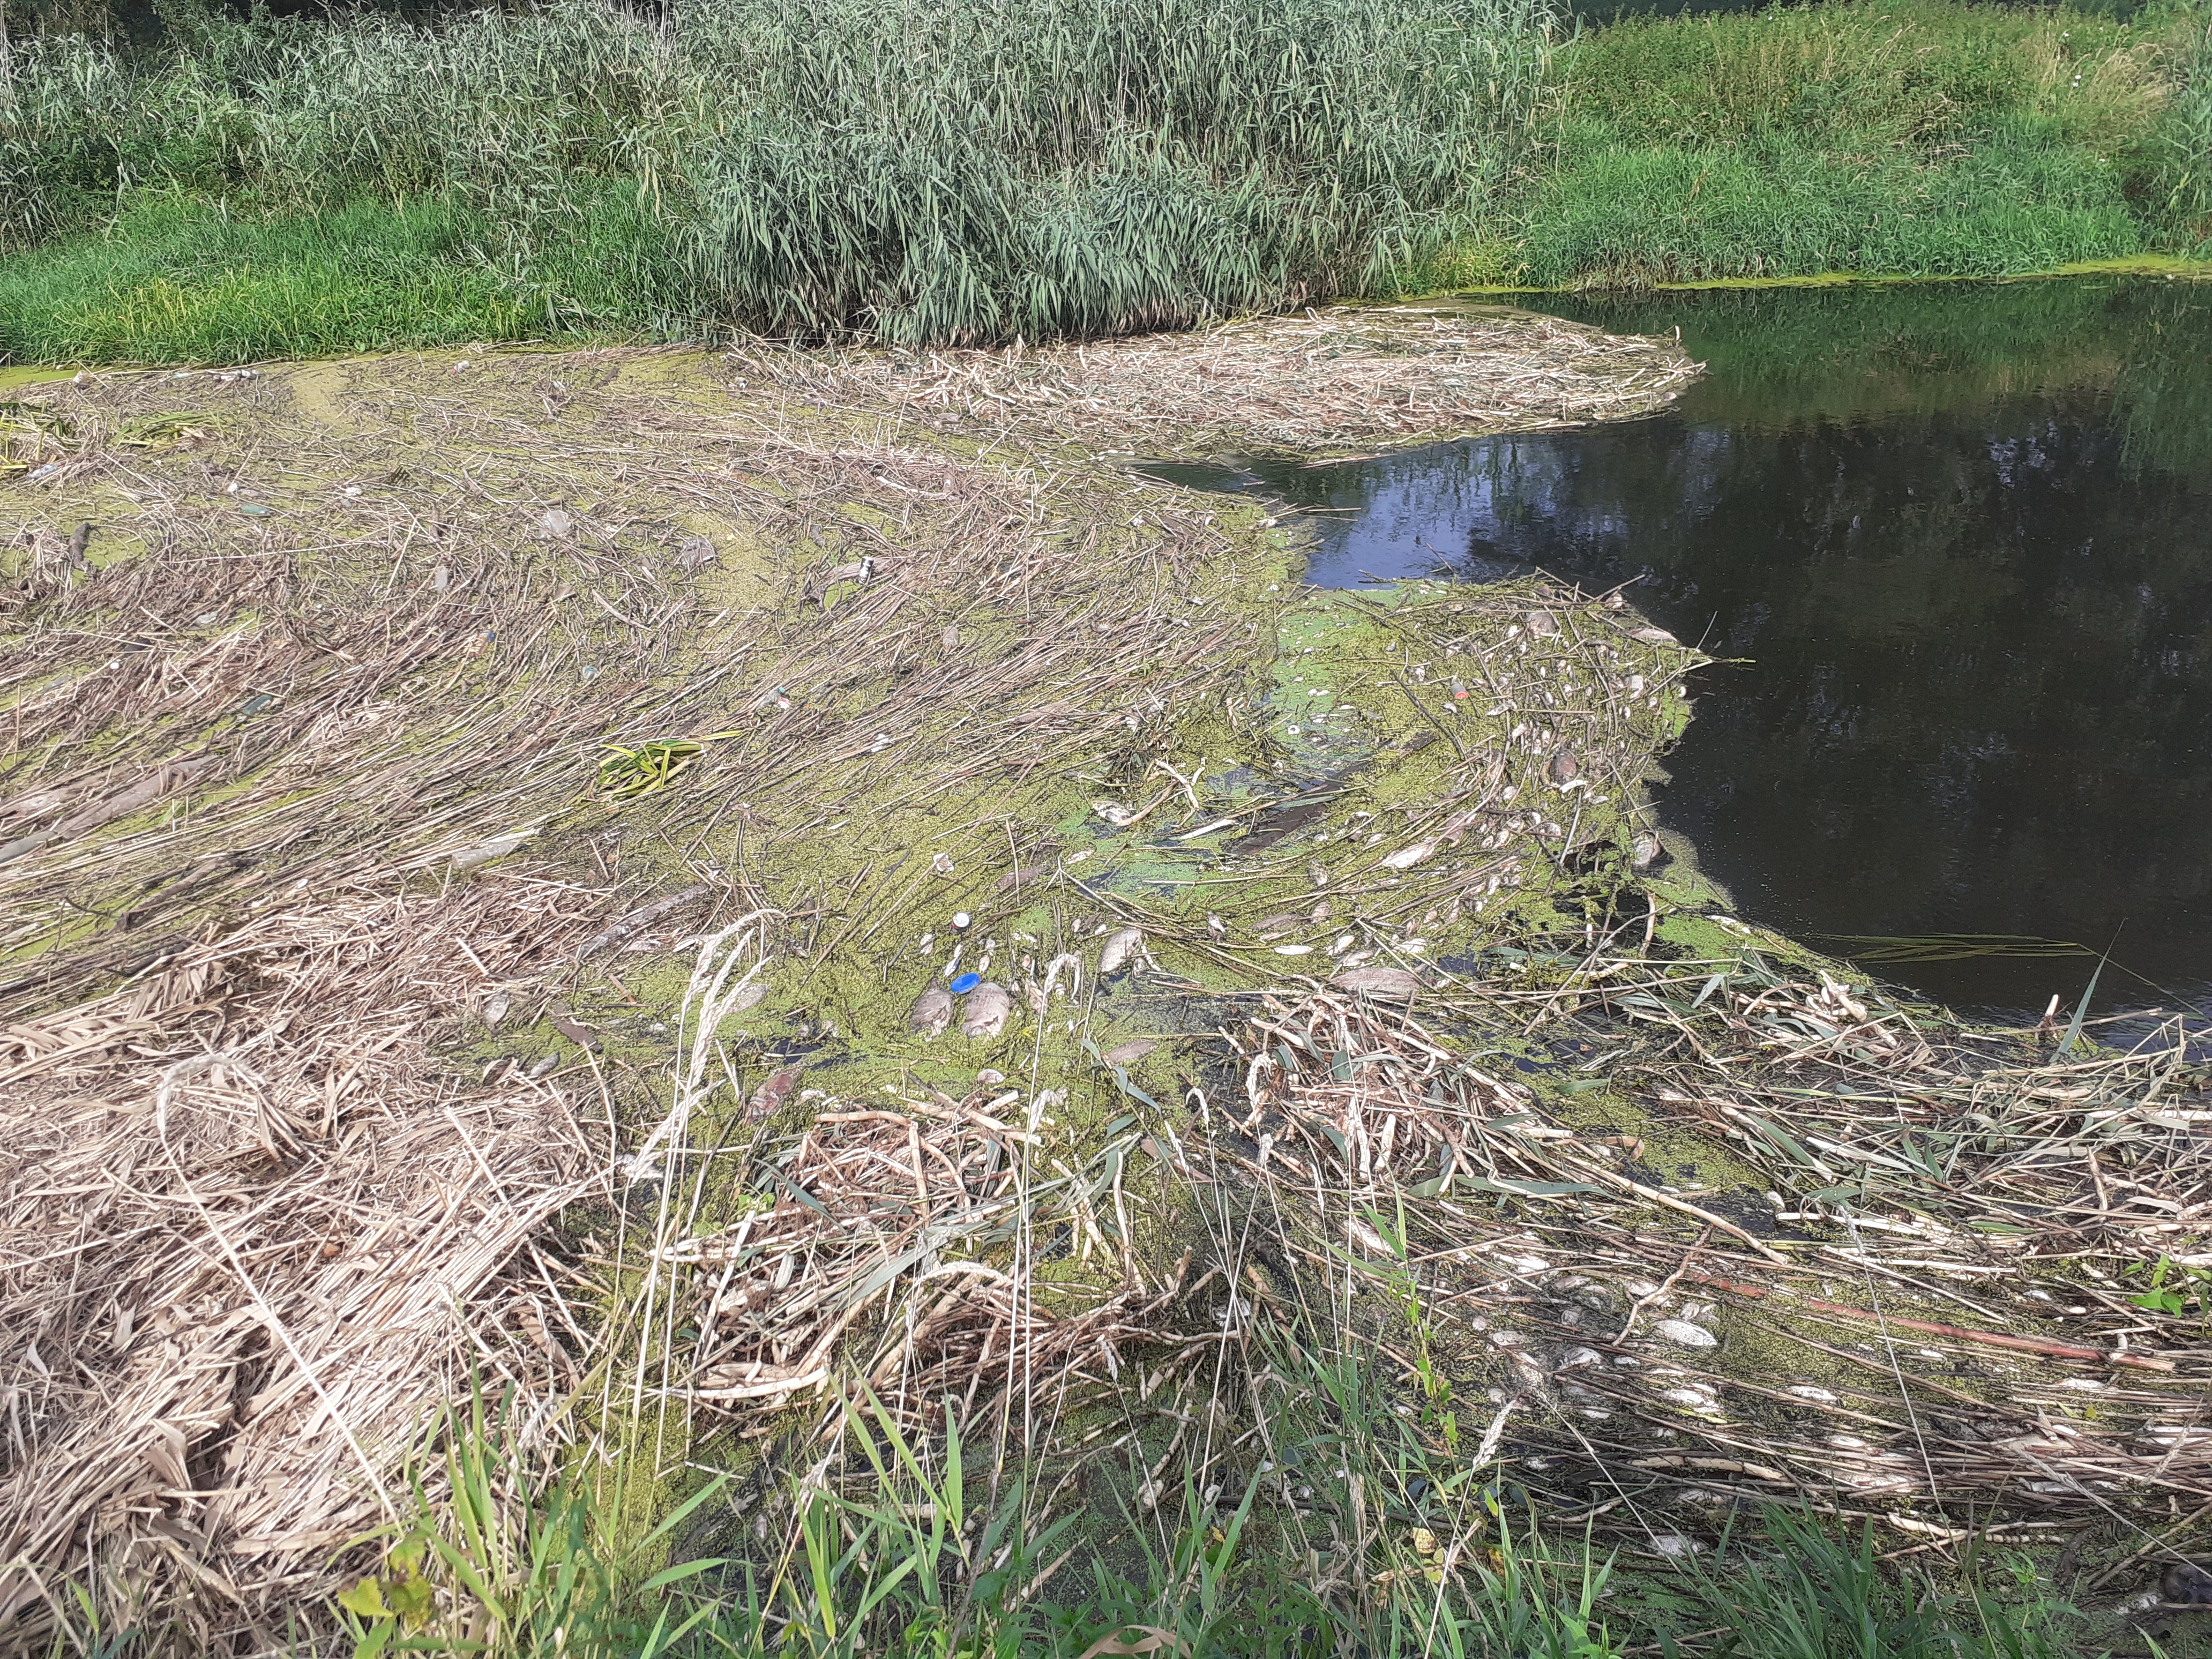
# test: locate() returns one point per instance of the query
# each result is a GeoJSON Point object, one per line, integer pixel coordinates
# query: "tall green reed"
{"type": "Point", "coordinates": [917, 171]}
{"type": "Point", "coordinates": [2186, 133]}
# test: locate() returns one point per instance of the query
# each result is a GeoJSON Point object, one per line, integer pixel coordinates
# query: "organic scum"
{"type": "Point", "coordinates": [717, 900]}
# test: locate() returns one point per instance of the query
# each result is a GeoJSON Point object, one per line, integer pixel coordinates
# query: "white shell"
{"type": "Point", "coordinates": [1118, 949]}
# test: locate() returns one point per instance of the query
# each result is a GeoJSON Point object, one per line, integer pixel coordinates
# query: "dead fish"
{"type": "Point", "coordinates": [988, 1007]}
{"type": "Point", "coordinates": [1418, 741]}
{"type": "Point", "coordinates": [557, 524]}
{"type": "Point", "coordinates": [79, 538]}
{"type": "Point", "coordinates": [2186, 1583]}
{"type": "Point", "coordinates": [1317, 872]}
{"type": "Point", "coordinates": [1393, 982]}
{"type": "Point", "coordinates": [1068, 962]}
{"type": "Point", "coordinates": [1689, 1335]}
{"type": "Point", "coordinates": [770, 1096]}
{"type": "Point", "coordinates": [498, 847]}
{"type": "Point", "coordinates": [546, 1066]}
{"type": "Point", "coordinates": [1406, 857]}
{"type": "Point", "coordinates": [1275, 926]}
{"type": "Point", "coordinates": [694, 551]}
{"type": "Point", "coordinates": [1564, 767]}
{"type": "Point", "coordinates": [932, 1011]}
{"type": "Point", "coordinates": [1655, 636]}
{"type": "Point", "coordinates": [1320, 912]}
{"type": "Point", "coordinates": [494, 1009]}
{"type": "Point", "coordinates": [1215, 926]}
{"type": "Point", "coordinates": [1644, 851]}
{"type": "Point", "coordinates": [1541, 625]}
{"type": "Point", "coordinates": [1119, 948]}
{"type": "Point", "coordinates": [1028, 875]}
{"type": "Point", "coordinates": [1614, 602]}
{"type": "Point", "coordinates": [860, 570]}
{"type": "Point", "coordinates": [1128, 1054]}
{"type": "Point", "coordinates": [582, 1036]}
{"type": "Point", "coordinates": [747, 996]}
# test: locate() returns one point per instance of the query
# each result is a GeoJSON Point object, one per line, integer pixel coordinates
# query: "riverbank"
{"type": "Point", "coordinates": [1349, 1118]}
{"type": "Point", "coordinates": [265, 191]}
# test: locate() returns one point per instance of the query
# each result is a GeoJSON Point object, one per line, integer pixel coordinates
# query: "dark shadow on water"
{"type": "Point", "coordinates": [1957, 543]}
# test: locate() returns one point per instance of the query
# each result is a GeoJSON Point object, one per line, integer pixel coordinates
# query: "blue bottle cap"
{"type": "Point", "coordinates": [966, 983]}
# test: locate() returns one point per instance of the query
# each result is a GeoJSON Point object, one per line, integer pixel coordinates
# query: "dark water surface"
{"type": "Point", "coordinates": [1960, 540]}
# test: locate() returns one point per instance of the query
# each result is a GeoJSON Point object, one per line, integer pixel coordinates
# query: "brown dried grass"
{"type": "Point", "coordinates": [351, 637]}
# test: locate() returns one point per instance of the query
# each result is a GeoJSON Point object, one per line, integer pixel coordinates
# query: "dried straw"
{"type": "Point", "coordinates": [1324, 382]}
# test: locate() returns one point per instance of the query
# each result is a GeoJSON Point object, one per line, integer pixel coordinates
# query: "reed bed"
{"type": "Point", "coordinates": [912, 175]}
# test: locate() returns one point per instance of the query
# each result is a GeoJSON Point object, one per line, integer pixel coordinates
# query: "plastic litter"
{"type": "Point", "coordinates": [966, 983]}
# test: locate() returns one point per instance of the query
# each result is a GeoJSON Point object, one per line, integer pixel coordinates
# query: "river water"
{"type": "Point", "coordinates": [1956, 542]}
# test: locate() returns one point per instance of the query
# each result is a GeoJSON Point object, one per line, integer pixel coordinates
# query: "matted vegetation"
{"type": "Point", "coordinates": [1382, 377]}
{"type": "Point", "coordinates": [1359, 1152]}
{"type": "Point", "coordinates": [318, 893]}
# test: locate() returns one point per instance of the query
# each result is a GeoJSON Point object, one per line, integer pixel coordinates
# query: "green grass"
{"type": "Point", "coordinates": [1908, 138]}
{"type": "Point", "coordinates": [174, 279]}
{"type": "Point", "coordinates": [918, 1551]}
{"type": "Point", "coordinates": [1772, 205]}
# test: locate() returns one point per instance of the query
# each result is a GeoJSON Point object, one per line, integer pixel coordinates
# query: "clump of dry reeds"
{"type": "Point", "coordinates": [1345, 379]}
{"type": "Point", "coordinates": [1927, 1308]}
{"type": "Point", "coordinates": [254, 1241]}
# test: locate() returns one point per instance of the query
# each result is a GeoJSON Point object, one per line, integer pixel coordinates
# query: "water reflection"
{"type": "Point", "coordinates": [1958, 543]}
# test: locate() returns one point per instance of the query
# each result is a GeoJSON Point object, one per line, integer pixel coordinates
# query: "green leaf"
{"type": "Point", "coordinates": [412, 1599]}
{"type": "Point", "coordinates": [676, 1574]}
{"type": "Point", "coordinates": [366, 1600]}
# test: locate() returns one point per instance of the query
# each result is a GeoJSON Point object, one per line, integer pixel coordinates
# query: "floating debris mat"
{"type": "Point", "coordinates": [254, 1233]}
{"type": "Point", "coordinates": [1947, 1293]}
{"type": "Point", "coordinates": [1345, 381]}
